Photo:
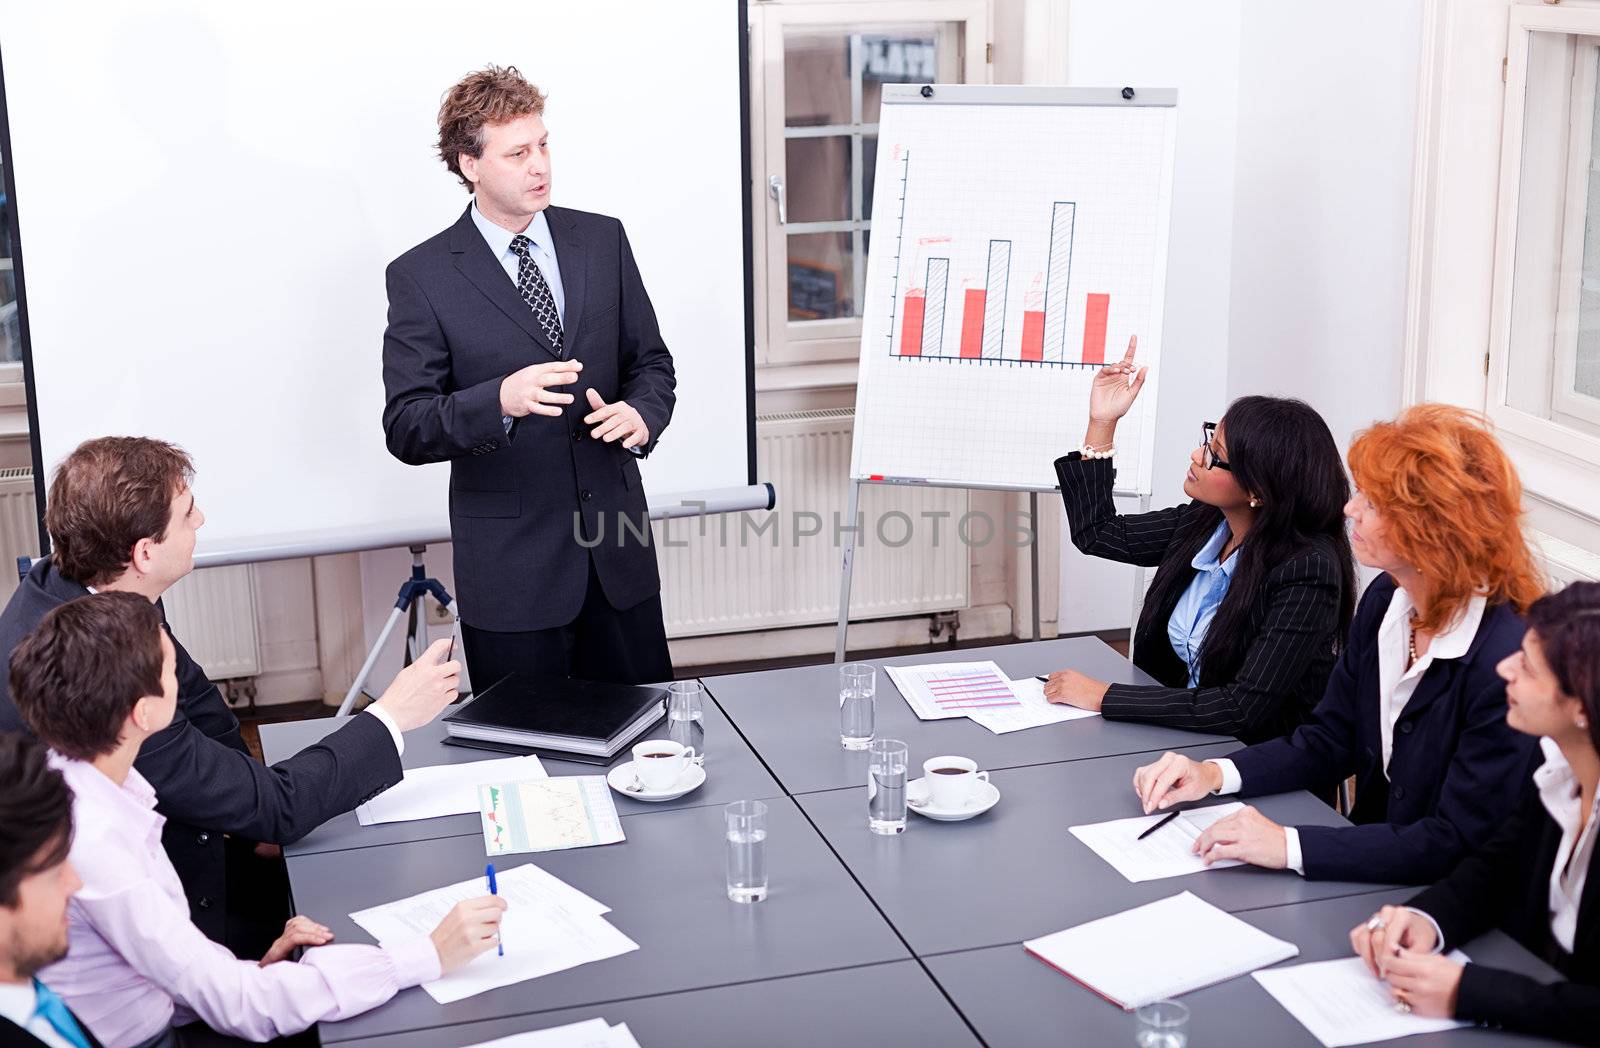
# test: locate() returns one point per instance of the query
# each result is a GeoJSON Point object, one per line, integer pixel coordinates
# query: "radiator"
{"type": "Point", "coordinates": [212, 611]}
{"type": "Point", "coordinates": [752, 571]}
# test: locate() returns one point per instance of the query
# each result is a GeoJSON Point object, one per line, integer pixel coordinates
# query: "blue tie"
{"type": "Point", "coordinates": [53, 1010]}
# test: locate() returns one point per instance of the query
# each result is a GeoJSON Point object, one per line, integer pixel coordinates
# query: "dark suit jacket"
{"type": "Point", "coordinates": [14, 1036]}
{"type": "Point", "coordinates": [1455, 771]}
{"type": "Point", "coordinates": [206, 782]}
{"type": "Point", "coordinates": [457, 327]}
{"type": "Point", "coordinates": [1505, 884]}
{"type": "Point", "coordinates": [1293, 625]}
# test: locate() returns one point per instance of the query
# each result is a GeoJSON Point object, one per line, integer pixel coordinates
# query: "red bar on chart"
{"type": "Point", "coordinates": [1094, 328]}
{"type": "Point", "coordinates": [911, 331]}
{"type": "Point", "coordinates": [1033, 334]}
{"type": "Point", "coordinates": [972, 324]}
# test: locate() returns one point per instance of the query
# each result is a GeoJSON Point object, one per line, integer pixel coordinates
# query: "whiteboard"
{"type": "Point", "coordinates": [208, 193]}
{"type": "Point", "coordinates": [1019, 237]}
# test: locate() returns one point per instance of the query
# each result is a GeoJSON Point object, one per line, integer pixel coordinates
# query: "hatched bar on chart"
{"type": "Point", "coordinates": [994, 306]}
{"type": "Point", "coordinates": [1095, 313]}
{"type": "Point", "coordinates": [1063, 221]}
{"type": "Point", "coordinates": [938, 288]}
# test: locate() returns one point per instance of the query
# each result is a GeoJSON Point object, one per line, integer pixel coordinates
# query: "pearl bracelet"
{"type": "Point", "coordinates": [1089, 452]}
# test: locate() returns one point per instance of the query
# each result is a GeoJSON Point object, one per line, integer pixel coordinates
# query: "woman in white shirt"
{"type": "Point", "coordinates": [94, 680]}
{"type": "Point", "coordinates": [1532, 879]}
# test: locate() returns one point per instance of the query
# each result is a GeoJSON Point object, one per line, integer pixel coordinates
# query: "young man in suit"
{"type": "Point", "coordinates": [523, 350]}
{"type": "Point", "coordinates": [121, 516]}
{"type": "Point", "coordinates": [36, 881]}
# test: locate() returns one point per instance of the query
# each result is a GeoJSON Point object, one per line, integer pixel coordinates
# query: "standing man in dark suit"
{"type": "Point", "coordinates": [36, 882]}
{"type": "Point", "coordinates": [121, 516]}
{"type": "Point", "coordinates": [523, 349]}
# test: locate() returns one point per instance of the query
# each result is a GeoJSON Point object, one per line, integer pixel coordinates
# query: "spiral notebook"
{"type": "Point", "coordinates": [1128, 958]}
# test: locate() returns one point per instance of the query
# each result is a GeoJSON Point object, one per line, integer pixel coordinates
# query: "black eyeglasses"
{"type": "Point", "coordinates": [1210, 458]}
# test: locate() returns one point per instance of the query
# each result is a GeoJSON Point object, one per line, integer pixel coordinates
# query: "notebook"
{"type": "Point", "coordinates": [1130, 959]}
{"type": "Point", "coordinates": [558, 714]}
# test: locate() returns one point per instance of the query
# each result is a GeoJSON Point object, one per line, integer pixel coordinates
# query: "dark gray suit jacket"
{"type": "Point", "coordinates": [524, 504]}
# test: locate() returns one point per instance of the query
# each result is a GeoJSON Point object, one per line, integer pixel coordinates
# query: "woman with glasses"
{"type": "Point", "coordinates": [1254, 582]}
{"type": "Point", "coordinates": [1415, 709]}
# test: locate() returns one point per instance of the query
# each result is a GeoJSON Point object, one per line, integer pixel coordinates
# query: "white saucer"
{"type": "Point", "coordinates": [624, 781]}
{"type": "Point", "coordinates": [985, 795]}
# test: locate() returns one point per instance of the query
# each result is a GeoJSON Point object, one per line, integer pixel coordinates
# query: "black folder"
{"type": "Point", "coordinates": [579, 718]}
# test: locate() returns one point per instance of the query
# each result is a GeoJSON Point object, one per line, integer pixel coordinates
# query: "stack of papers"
{"type": "Point", "coordinates": [981, 692]}
{"type": "Point", "coordinates": [574, 811]}
{"type": "Point", "coordinates": [593, 1033]}
{"type": "Point", "coordinates": [548, 926]}
{"type": "Point", "coordinates": [1129, 957]}
{"type": "Point", "coordinates": [446, 789]}
{"type": "Point", "coordinates": [1168, 852]}
{"type": "Point", "coordinates": [1341, 1002]}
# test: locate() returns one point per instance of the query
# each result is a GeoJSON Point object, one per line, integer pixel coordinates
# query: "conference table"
{"type": "Point", "coordinates": [864, 939]}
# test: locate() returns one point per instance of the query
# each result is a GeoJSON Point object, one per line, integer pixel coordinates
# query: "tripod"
{"type": "Point", "coordinates": [409, 601]}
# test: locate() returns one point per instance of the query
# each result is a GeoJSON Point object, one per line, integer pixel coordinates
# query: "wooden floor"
{"type": "Point", "coordinates": [251, 720]}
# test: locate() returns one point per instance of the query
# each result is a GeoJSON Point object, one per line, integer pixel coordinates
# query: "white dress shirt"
{"type": "Point", "coordinates": [1396, 684]}
{"type": "Point", "coordinates": [17, 1001]}
{"type": "Point", "coordinates": [137, 965]}
{"type": "Point", "coordinates": [543, 252]}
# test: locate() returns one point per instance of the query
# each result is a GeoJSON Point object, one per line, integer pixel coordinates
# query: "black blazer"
{"type": "Point", "coordinates": [1293, 624]}
{"type": "Point", "coordinates": [1506, 884]}
{"type": "Point", "coordinates": [207, 784]}
{"type": "Point", "coordinates": [14, 1036]}
{"type": "Point", "coordinates": [457, 327]}
{"type": "Point", "coordinates": [1456, 770]}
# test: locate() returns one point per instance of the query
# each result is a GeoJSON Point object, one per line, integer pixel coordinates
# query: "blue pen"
{"type": "Point", "coordinates": [488, 871]}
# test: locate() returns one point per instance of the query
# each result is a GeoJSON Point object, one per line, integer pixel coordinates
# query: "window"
{"type": "Point", "coordinates": [1544, 352]}
{"type": "Point", "coordinates": [10, 333]}
{"type": "Point", "coordinates": [818, 71]}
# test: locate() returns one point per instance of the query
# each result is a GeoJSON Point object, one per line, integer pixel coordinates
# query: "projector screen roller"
{"type": "Point", "coordinates": [207, 196]}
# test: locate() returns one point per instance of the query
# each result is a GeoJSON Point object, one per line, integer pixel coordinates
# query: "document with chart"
{"type": "Point", "coordinates": [571, 811]}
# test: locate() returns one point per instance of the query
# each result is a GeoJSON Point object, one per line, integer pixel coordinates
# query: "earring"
{"type": "Point", "coordinates": [1583, 723]}
{"type": "Point", "coordinates": [1254, 502]}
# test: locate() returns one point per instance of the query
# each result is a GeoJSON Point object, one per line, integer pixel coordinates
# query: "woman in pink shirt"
{"type": "Point", "coordinates": [94, 680]}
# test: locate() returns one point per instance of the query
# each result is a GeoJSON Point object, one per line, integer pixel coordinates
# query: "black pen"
{"type": "Point", "coordinates": [1041, 678]}
{"type": "Point", "coordinates": [1157, 826]}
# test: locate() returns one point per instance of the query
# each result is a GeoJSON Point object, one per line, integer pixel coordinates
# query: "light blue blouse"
{"type": "Point", "coordinates": [1192, 616]}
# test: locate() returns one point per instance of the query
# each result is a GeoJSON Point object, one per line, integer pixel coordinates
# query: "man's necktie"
{"type": "Point", "coordinates": [53, 1010]}
{"type": "Point", "coordinates": [536, 293]}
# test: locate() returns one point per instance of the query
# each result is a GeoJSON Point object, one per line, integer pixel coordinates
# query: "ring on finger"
{"type": "Point", "coordinates": [1376, 923]}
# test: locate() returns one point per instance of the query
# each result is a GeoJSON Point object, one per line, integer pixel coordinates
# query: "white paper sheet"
{"type": "Point", "coordinates": [942, 690]}
{"type": "Point", "coordinates": [592, 1033]}
{"type": "Point", "coordinates": [1341, 1003]}
{"type": "Point", "coordinates": [1129, 957]}
{"type": "Point", "coordinates": [1035, 710]}
{"type": "Point", "coordinates": [571, 811]}
{"type": "Point", "coordinates": [444, 789]}
{"type": "Point", "coordinates": [548, 926]}
{"type": "Point", "coordinates": [1165, 853]}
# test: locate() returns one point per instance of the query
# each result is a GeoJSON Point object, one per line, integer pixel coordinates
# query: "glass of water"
{"type": "Point", "coordinates": [1163, 1024]}
{"type": "Point", "coordinates": [857, 691]}
{"type": "Point", "coordinates": [886, 785]}
{"type": "Point", "coordinates": [686, 712]}
{"type": "Point", "coordinates": [747, 851]}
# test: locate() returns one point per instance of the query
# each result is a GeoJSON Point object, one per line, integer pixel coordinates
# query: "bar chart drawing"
{"type": "Point", "coordinates": [1019, 241]}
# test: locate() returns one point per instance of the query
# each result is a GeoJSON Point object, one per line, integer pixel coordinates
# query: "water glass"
{"type": "Point", "coordinates": [1163, 1024]}
{"type": "Point", "coordinates": [747, 851]}
{"type": "Point", "coordinates": [857, 692]}
{"type": "Point", "coordinates": [887, 762]}
{"type": "Point", "coordinates": [686, 713]}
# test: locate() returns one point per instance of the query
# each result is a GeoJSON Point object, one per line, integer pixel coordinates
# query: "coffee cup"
{"type": "Point", "coordinates": [659, 763]}
{"type": "Point", "coordinates": [952, 781]}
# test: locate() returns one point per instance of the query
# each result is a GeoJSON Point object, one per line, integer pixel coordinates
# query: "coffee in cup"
{"type": "Point", "coordinates": [952, 781]}
{"type": "Point", "coordinates": [660, 763]}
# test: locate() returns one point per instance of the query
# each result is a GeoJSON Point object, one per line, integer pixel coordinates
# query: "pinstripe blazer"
{"type": "Point", "coordinates": [1293, 621]}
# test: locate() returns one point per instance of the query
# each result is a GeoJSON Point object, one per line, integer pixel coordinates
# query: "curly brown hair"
{"type": "Point", "coordinates": [492, 95]}
{"type": "Point", "coordinates": [107, 495]}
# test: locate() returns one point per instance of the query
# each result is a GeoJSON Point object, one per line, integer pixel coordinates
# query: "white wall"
{"type": "Point", "coordinates": [1194, 48]}
{"type": "Point", "coordinates": [1327, 115]}
{"type": "Point", "coordinates": [1290, 222]}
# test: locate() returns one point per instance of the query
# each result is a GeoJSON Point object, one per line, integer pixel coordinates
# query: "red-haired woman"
{"type": "Point", "coordinates": [1415, 709]}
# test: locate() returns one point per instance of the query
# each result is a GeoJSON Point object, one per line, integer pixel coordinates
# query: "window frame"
{"type": "Point", "coordinates": [829, 341]}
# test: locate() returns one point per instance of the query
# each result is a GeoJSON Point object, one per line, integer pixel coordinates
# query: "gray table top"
{"type": "Point", "coordinates": [666, 885]}
{"type": "Point", "coordinates": [791, 716]}
{"type": "Point", "coordinates": [1014, 1000]}
{"type": "Point", "coordinates": [733, 773]}
{"type": "Point", "coordinates": [1015, 872]}
{"type": "Point", "coordinates": [878, 1004]}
